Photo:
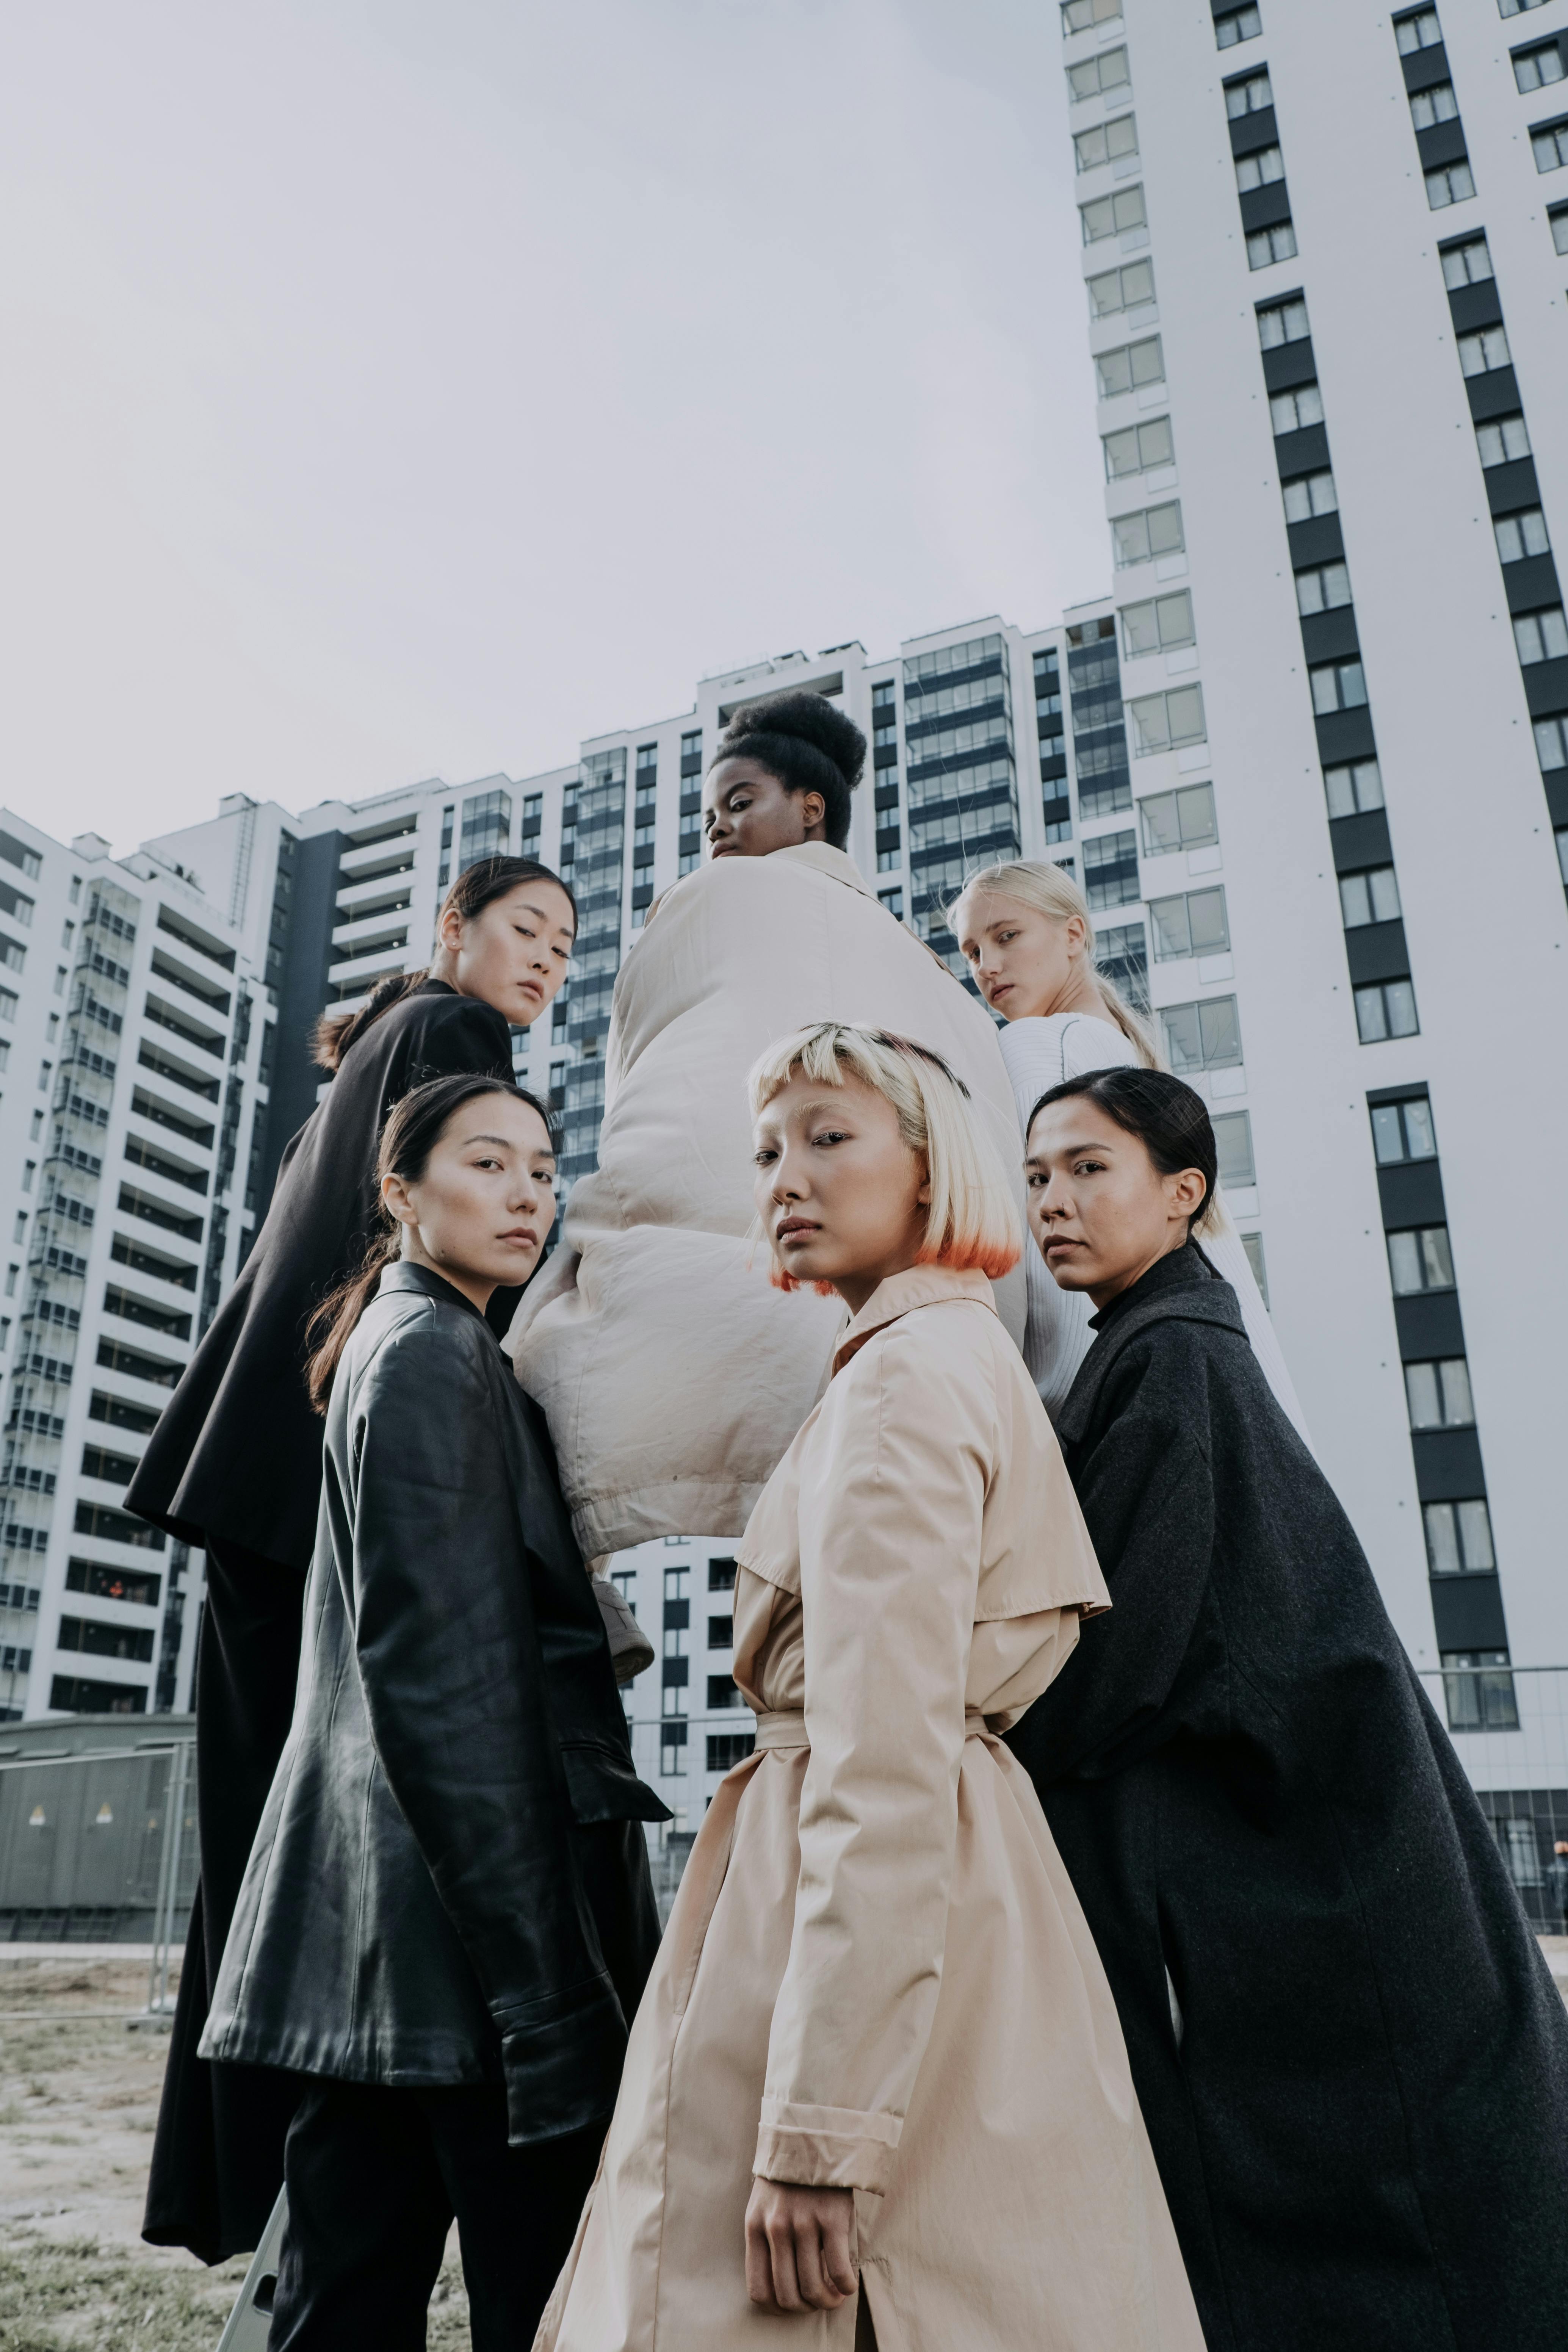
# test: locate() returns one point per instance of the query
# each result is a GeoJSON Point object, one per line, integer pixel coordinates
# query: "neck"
{"type": "Point", "coordinates": [1081, 994]}
{"type": "Point", "coordinates": [477, 1287]}
{"type": "Point", "coordinates": [1102, 1293]}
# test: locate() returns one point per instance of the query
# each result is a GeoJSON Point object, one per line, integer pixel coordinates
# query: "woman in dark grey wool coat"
{"type": "Point", "coordinates": [1351, 2057]}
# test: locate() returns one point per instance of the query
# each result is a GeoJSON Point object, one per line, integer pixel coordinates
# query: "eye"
{"type": "Point", "coordinates": [486, 1161]}
{"type": "Point", "coordinates": [1089, 1168]}
{"type": "Point", "coordinates": [764, 1155]}
{"type": "Point", "coordinates": [831, 1134]}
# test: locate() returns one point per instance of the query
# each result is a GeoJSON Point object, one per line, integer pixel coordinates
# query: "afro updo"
{"type": "Point", "coordinates": [807, 745]}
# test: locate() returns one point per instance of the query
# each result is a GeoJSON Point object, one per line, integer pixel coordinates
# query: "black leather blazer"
{"type": "Point", "coordinates": [413, 1910]}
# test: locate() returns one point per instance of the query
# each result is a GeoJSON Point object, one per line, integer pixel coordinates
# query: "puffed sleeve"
{"type": "Point", "coordinates": [890, 1536]}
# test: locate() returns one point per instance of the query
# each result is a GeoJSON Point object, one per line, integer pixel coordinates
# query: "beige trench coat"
{"type": "Point", "coordinates": [671, 1374]}
{"type": "Point", "coordinates": [877, 1975]}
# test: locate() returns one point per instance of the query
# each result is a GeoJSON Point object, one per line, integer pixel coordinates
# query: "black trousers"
{"type": "Point", "coordinates": [375, 2178]}
{"type": "Point", "coordinates": [218, 2157]}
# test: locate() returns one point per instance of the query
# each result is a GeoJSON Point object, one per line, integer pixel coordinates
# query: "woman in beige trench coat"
{"type": "Point", "coordinates": [877, 1987]}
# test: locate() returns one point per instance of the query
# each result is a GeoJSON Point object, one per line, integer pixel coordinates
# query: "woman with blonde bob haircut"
{"type": "Point", "coordinates": [972, 1220]}
{"type": "Point", "coordinates": [877, 2079]}
{"type": "Point", "coordinates": [1025, 931]}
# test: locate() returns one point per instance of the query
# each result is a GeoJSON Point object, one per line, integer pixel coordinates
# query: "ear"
{"type": "Point", "coordinates": [1073, 927]}
{"type": "Point", "coordinates": [396, 1200]}
{"type": "Point", "coordinates": [1184, 1191]}
{"type": "Point", "coordinates": [813, 809]}
{"type": "Point", "coordinates": [449, 931]}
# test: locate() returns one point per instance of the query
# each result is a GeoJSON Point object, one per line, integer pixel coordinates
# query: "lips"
{"type": "Point", "coordinates": [795, 1228]}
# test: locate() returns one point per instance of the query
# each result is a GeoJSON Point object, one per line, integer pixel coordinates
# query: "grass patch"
{"type": "Point", "coordinates": [65, 2295]}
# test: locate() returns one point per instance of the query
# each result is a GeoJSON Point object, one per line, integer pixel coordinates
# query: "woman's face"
{"type": "Point", "coordinates": [1100, 1212]}
{"type": "Point", "coordinates": [482, 1210]}
{"type": "Point", "coordinates": [746, 812]}
{"type": "Point", "coordinates": [841, 1196]}
{"type": "Point", "coordinates": [1023, 961]}
{"type": "Point", "coordinates": [514, 952]}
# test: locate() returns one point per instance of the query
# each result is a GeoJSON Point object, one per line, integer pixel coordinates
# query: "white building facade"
{"type": "Point", "coordinates": [1325, 253]}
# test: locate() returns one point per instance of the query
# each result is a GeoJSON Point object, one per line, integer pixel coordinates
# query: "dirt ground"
{"type": "Point", "coordinates": [78, 2097]}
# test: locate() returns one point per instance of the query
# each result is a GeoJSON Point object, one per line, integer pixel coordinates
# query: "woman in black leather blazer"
{"type": "Point", "coordinates": [447, 1916]}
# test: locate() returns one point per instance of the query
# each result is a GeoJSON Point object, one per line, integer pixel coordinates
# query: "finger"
{"type": "Point", "coordinates": [816, 2290]}
{"type": "Point", "coordinates": [759, 2266]}
{"type": "Point", "coordinates": [840, 2249]}
{"type": "Point", "coordinates": [786, 2283]}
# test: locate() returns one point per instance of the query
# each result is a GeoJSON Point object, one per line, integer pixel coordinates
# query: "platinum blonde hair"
{"type": "Point", "coordinates": [972, 1221]}
{"type": "Point", "coordinates": [1054, 893]}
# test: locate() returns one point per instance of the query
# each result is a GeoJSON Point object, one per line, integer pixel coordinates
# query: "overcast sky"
{"type": "Point", "coordinates": [419, 386]}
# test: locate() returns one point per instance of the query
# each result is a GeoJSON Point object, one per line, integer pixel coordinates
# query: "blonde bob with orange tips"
{"type": "Point", "coordinates": [973, 1223]}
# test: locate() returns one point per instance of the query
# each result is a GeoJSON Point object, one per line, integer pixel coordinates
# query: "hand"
{"type": "Point", "coordinates": [801, 2248]}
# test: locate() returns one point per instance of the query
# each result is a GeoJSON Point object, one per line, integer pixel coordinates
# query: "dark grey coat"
{"type": "Point", "coordinates": [448, 1884]}
{"type": "Point", "coordinates": [1364, 2131]}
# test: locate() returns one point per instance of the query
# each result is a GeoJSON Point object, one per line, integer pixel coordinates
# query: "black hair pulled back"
{"type": "Point", "coordinates": [477, 886]}
{"type": "Point", "coordinates": [1169, 1119]}
{"type": "Point", "coordinates": [412, 1130]}
{"type": "Point", "coordinates": [810, 747]}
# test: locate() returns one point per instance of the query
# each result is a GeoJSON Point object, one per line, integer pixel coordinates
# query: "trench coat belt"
{"type": "Point", "coordinates": [788, 1730]}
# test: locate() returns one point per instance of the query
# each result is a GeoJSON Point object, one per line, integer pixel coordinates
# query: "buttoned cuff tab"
{"type": "Point", "coordinates": [826, 2147]}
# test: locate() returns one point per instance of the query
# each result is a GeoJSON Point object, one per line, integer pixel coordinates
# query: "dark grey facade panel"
{"type": "Point", "coordinates": [1475, 306]}
{"type": "Point", "coordinates": [1468, 1613]}
{"type": "Point", "coordinates": [1329, 636]}
{"type": "Point", "coordinates": [1496, 393]}
{"type": "Point", "coordinates": [1264, 207]}
{"type": "Point", "coordinates": [301, 994]}
{"type": "Point", "coordinates": [1345, 735]}
{"type": "Point", "coordinates": [1546, 688]}
{"type": "Point", "coordinates": [1425, 69]}
{"type": "Point", "coordinates": [1359, 841]}
{"type": "Point", "coordinates": [1411, 1194]}
{"type": "Point", "coordinates": [1532, 584]}
{"type": "Point", "coordinates": [1430, 1325]}
{"type": "Point", "coordinates": [1377, 951]}
{"type": "Point", "coordinates": [1512, 488]}
{"type": "Point", "coordinates": [1306, 452]}
{"type": "Point", "coordinates": [1248, 132]}
{"type": "Point", "coordinates": [1448, 1465]}
{"type": "Point", "coordinates": [1444, 144]}
{"type": "Point", "coordinates": [1319, 541]}
{"type": "Point", "coordinates": [1289, 364]}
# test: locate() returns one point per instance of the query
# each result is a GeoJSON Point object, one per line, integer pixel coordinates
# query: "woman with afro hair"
{"type": "Point", "coordinates": [672, 1376]}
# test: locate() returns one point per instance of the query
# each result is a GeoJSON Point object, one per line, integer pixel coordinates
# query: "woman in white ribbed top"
{"type": "Point", "coordinates": [1025, 931]}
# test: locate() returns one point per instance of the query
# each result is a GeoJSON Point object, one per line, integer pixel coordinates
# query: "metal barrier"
{"type": "Point", "coordinates": [100, 1847]}
{"type": "Point", "coordinates": [1510, 1726]}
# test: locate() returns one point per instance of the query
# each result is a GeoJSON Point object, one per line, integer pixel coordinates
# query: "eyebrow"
{"type": "Point", "coordinates": [539, 916]}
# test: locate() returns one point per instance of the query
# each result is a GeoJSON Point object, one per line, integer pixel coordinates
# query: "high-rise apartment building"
{"type": "Point", "coordinates": [1325, 253]}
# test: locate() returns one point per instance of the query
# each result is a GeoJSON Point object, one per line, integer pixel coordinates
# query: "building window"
{"type": "Point", "coordinates": [1484, 350]}
{"type": "Point", "coordinates": [1123, 956]}
{"type": "Point", "coordinates": [1419, 31]}
{"type": "Point", "coordinates": [1292, 412]}
{"type": "Point", "coordinates": [1158, 625]}
{"type": "Point", "coordinates": [1539, 64]}
{"type": "Point", "coordinates": [1114, 290]}
{"type": "Point", "coordinates": [1450, 184]}
{"type": "Point", "coordinates": [1165, 722]}
{"type": "Point", "coordinates": [1420, 1259]}
{"type": "Point", "coordinates": [1438, 1394]}
{"type": "Point", "coordinates": [1082, 15]}
{"type": "Point", "coordinates": [1151, 531]}
{"type": "Point", "coordinates": [1371, 896]}
{"type": "Point", "coordinates": [1549, 145]}
{"type": "Point", "coordinates": [894, 902]}
{"type": "Point", "coordinates": [1179, 820]}
{"type": "Point", "coordinates": [1561, 838]}
{"type": "Point", "coordinates": [672, 1748]}
{"type": "Point", "coordinates": [1265, 245]}
{"type": "Point", "coordinates": [1323, 589]}
{"type": "Point", "coordinates": [1202, 1036]}
{"type": "Point", "coordinates": [1337, 686]}
{"type": "Point", "coordinates": [1503, 440]}
{"type": "Point", "coordinates": [1107, 143]}
{"type": "Point", "coordinates": [1557, 217]}
{"type": "Point", "coordinates": [1249, 94]}
{"type": "Point", "coordinates": [1551, 743]}
{"type": "Point", "coordinates": [728, 1749]}
{"type": "Point", "coordinates": [1542, 635]}
{"type": "Point", "coordinates": [1518, 7]}
{"type": "Point", "coordinates": [1353, 788]}
{"type": "Point", "coordinates": [1259, 170]}
{"type": "Point", "coordinates": [1139, 448]}
{"type": "Point", "coordinates": [1113, 215]}
{"type": "Point", "coordinates": [722, 1575]}
{"type": "Point", "coordinates": [1283, 323]}
{"type": "Point", "coordinates": [1191, 924]}
{"type": "Point", "coordinates": [1430, 106]}
{"type": "Point", "coordinates": [1310, 495]}
{"type": "Point", "coordinates": [1129, 367]}
{"type": "Point", "coordinates": [1401, 1131]}
{"type": "Point", "coordinates": [1521, 534]}
{"type": "Point", "coordinates": [1253, 1244]}
{"type": "Point", "coordinates": [1233, 1147]}
{"type": "Point", "coordinates": [1478, 1697]}
{"type": "Point", "coordinates": [1460, 1538]}
{"type": "Point", "coordinates": [1387, 1010]}
{"type": "Point", "coordinates": [1110, 870]}
{"type": "Point", "coordinates": [1236, 25]}
{"type": "Point", "coordinates": [1095, 76]}
{"type": "Point", "coordinates": [1467, 263]}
